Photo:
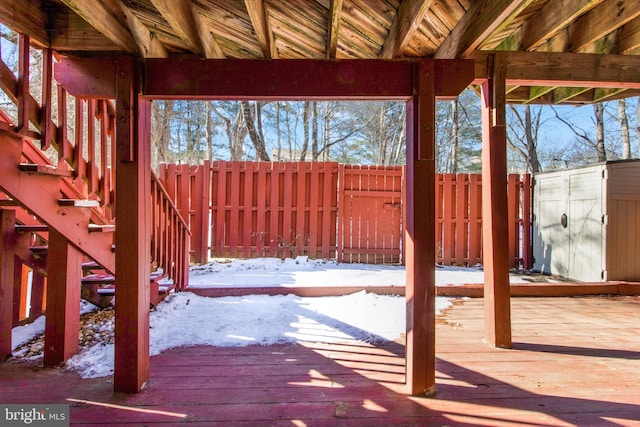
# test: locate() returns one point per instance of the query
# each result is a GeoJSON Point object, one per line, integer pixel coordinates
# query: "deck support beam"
{"type": "Point", "coordinates": [133, 230]}
{"type": "Point", "coordinates": [64, 273]}
{"type": "Point", "coordinates": [420, 255]}
{"type": "Point", "coordinates": [495, 231]}
{"type": "Point", "coordinates": [7, 230]}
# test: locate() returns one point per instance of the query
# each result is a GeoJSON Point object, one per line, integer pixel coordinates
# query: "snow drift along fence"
{"type": "Point", "coordinates": [328, 210]}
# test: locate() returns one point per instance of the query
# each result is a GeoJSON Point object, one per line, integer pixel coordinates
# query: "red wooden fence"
{"type": "Point", "coordinates": [370, 214]}
{"type": "Point", "coordinates": [352, 213]}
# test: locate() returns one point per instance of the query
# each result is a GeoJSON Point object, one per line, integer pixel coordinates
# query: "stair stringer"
{"type": "Point", "coordinates": [39, 194]}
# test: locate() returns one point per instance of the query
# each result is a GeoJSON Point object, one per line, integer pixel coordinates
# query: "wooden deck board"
{"type": "Point", "coordinates": [574, 362]}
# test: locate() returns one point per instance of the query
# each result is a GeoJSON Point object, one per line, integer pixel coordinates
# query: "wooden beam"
{"type": "Point", "coordinates": [63, 300]}
{"type": "Point", "coordinates": [76, 35]}
{"type": "Point", "coordinates": [24, 56]}
{"type": "Point", "coordinates": [419, 234]}
{"type": "Point", "coordinates": [564, 94]}
{"type": "Point", "coordinates": [600, 21]}
{"type": "Point", "coordinates": [258, 15]}
{"type": "Point", "coordinates": [189, 78]}
{"type": "Point", "coordinates": [88, 77]}
{"type": "Point", "coordinates": [7, 230]}
{"type": "Point", "coordinates": [333, 28]}
{"type": "Point", "coordinates": [113, 19]}
{"type": "Point", "coordinates": [410, 15]}
{"type": "Point", "coordinates": [628, 38]}
{"type": "Point", "coordinates": [100, 15]}
{"type": "Point", "coordinates": [185, 21]}
{"type": "Point", "coordinates": [495, 233]}
{"type": "Point", "coordinates": [564, 69]}
{"type": "Point", "coordinates": [550, 19]}
{"type": "Point", "coordinates": [481, 20]}
{"type": "Point", "coordinates": [26, 17]}
{"type": "Point", "coordinates": [133, 232]}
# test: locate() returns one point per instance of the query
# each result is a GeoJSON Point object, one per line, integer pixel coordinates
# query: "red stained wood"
{"type": "Point", "coordinates": [7, 230]}
{"type": "Point", "coordinates": [420, 236]}
{"type": "Point", "coordinates": [63, 300]}
{"type": "Point", "coordinates": [46, 109]}
{"type": "Point", "coordinates": [23, 82]}
{"type": "Point", "coordinates": [284, 79]}
{"type": "Point", "coordinates": [38, 293]}
{"type": "Point", "coordinates": [547, 379]}
{"type": "Point", "coordinates": [527, 249]}
{"type": "Point", "coordinates": [495, 209]}
{"type": "Point", "coordinates": [132, 237]}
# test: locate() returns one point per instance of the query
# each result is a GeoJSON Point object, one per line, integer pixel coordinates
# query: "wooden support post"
{"type": "Point", "coordinates": [37, 295]}
{"type": "Point", "coordinates": [420, 232]}
{"type": "Point", "coordinates": [7, 230]}
{"type": "Point", "coordinates": [23, 82]}
{"type": "Point", "coordinates": [133, 231]}
{"type": "Point", "coordinates": [495, 230]}
{"type": "Point", "coordinates": [19, 292]}
{"type": "Point", "coordinates": [64, 273]}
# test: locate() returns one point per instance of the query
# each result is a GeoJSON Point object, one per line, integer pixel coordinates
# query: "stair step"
{"type": "Point", "coordinates": [31, 228]}
{"type": "Point", "coordinates": [79, 203]}
{"type": "Point", "coordinates": [98, 278]}
{"type": "Point", "coordinates": [91, 265]}
{"type": "Point", "coordinates": [8, 202]}
{"type": "Point", "coordinates": [102, 228]}
{"type": "Point", "coordinates": [45, 170]}
{"type": "Point", "coordinates": [39, 251]}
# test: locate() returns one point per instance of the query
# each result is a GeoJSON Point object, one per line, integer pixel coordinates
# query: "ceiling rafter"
{"type": "Point", "coordinates": [184, 21]}
{"type": "Point", "coordinates": [335, 13]}
{"type": "Point", "coordinates": [410, 15]}
{"type": "Point", "coordinates": [600, 21]}
{"type": "Point", "coordinates": [482, 19]}
{"type": "Point", "coordinates": [587, 30]}
{"type": "Point", "coordinates": [25, 17]}
{"type": "Point", "coordinates": [257, 11]}
{"type": "Point", "coordinates": [628, 40]}
{"type": "Point", "coordinates": [118, 24]}
{"type": "Point", "coordinates": [550, 19]}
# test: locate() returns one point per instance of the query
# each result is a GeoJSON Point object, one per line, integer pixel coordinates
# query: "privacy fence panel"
{"type": "Point", "coordinates": [273, 209]}
{"type": "Point", "coordinates": [326, 210]}
{"type": "Point", "coordinates": [370, 214]}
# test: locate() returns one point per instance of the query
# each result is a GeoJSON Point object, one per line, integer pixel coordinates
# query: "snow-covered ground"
{"type": "Point", "coordinates": [186, 319]}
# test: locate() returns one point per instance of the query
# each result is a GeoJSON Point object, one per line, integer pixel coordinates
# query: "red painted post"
{"type": "Point", "coordinates": [495, 228]}
{"type": "Point", "coordinates": [219, 202]}
{"type": "Point", "coordinates": [46, 108]}
{"type": "Point", "coordinates": [262, 213]}
{"type": "Point", "coordinates": [234, 208]}
{"type": "Point", "coordinates": [24, 45]}
{"type": "Point", "coordinates": [63, 300]}
{"type": "Point", "coordinates": [7, 255]}
{"type": "Point", "coordinates": [19, 296]}
{"type": "Point", "coordinates": [419, 233]}
{"type": "Point", "coordinates": [78, 146]}
{"type": "Point", "coordinates": [38, 295]}
{"type": "Point", "coordinates": [133, 233]}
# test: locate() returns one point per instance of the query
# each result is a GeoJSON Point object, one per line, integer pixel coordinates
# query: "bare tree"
{"type": "Point", "coordinates": [523, 135]}
{"type": "Point", "coordinates": [624, 129]}
{"type": "Point", "coordinates": [234, 127]}
{"type": "Point", "coordinates": [598, 111]}
{"type": "Point", "coordinates": [255, 132]}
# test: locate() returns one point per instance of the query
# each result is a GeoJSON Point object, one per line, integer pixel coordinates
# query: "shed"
{"type": "Point", "coordinates": [587, 222]}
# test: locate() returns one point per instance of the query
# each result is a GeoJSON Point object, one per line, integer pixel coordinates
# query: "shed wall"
{"type": "Point", "coordinates": [623, 221]}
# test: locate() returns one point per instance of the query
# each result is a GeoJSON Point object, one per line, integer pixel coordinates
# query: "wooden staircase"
{"type": "Point", "coordinates": [57, 218]}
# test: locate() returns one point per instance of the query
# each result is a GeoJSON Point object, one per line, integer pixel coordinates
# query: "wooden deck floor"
{"type": "Point", "coordinates": [576, 361]}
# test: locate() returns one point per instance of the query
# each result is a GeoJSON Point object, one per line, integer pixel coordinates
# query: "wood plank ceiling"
{"type": "Point", "coordinates": [341, 29]}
